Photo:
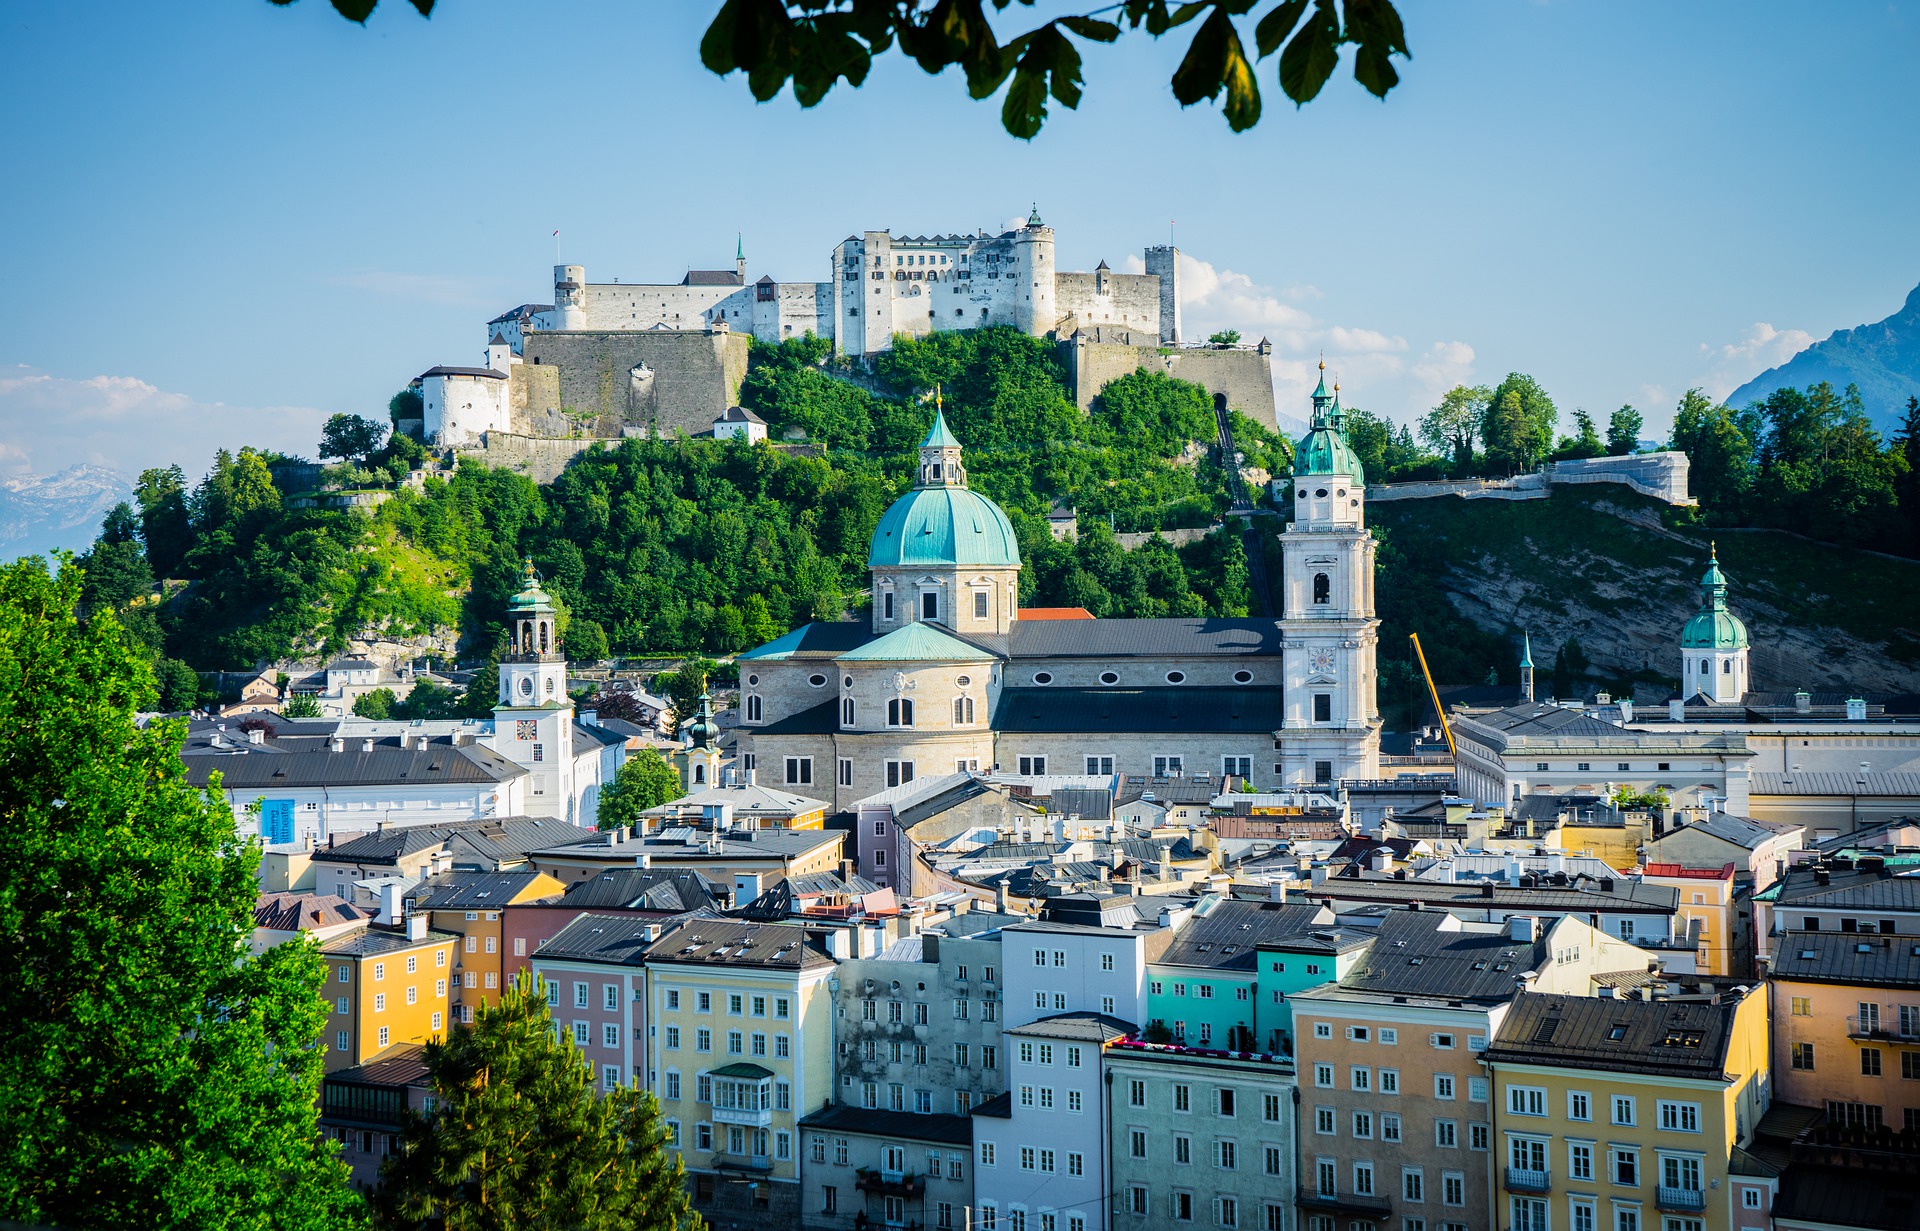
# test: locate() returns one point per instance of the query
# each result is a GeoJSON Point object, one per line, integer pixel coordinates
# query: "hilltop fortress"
{"type": "Point", "coordinates": [612, 359]}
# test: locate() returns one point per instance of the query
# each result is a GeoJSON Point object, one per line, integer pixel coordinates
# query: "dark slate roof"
{"type": "Point", "coordinates": [740, 414]}
{"type": "Point", "coordinates": [495, 839]}
{"type": "Point", "coordinates": [388, 764]}
{"type": "Point", "coordinates": [1744, 832]}
{"type": "Point", "coordinates": [1138, 638]}
{"type": "Point", "coordinates": [1627, 896]}
{"type": "Point", "coordinates": [1325, 939]}
{"type": "Point", "coordinates": [524, 312]}
{"type": "Point", "coordinates": [1170, 710]}
{"type": "Point", "coordinates": [670, 844]}
{"type": "Point", "coordinates": [292, 911]}
{"type": "Point", "coordinates": [1897, 784]}
{"type": "Point", "coordinates": [1846, 1196]}
{"type": "Point", "coordinates": [1227, 936]}
{"type": "Point", "coordinates": [1414, 956]}
{"type": "Point", "coordinates": [377, 939]}
{"type": "Point", "coordinates": [1847, 889]}
{"type": "Point", "coordinates": [1837, 957]}
{"type": "Point", "coordinates": [620, 940]}
{"type": "Point", "coordinates": [714, 942]}
{"type": "Point", "coordinates": [403, 1064]}
{"type": "Point", "coordinates": [893, 1125]}
{"type": "Point", "coordinates": [353, 664]}
{"type": "Point", "coordinates": [1672, 1038]}
{"type": "Point", "coordinates": [1088, 804]}
{"type": "Point", "coordinates": [1096, 1028]}
{"type": "Point", "coordinates": [1543, 718]}
{"type": "Point", "coordinates": [469, 890]}
{"type": "Point", "coordinates": [444, 370]}
{"type": "Point", "coordinates": [648, 889]}
{"type": "Point", "coordinates": [959, 793]}
{"type": "Point", "coordinates": [713, 277]}
{"type": "Point", "coordinates": [1000, 1106]}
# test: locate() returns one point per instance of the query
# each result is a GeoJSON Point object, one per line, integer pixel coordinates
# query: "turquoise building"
{"type": "Point", "coordinates": [1208, 988]}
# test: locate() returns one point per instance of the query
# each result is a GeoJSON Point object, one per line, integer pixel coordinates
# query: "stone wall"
{"type": "Point", "coordinates": [1660, 475]}
{"type": "Point", "coordinates": [690, 378]}
{"type": "Point", "coordinates": [540, 458]}
{"type": "Point", "coordinates": [533, 401]}
{"type": "Point", "coordinates": [1109, 299]}
{"type": "Point", "coordinates": [1244, 375]}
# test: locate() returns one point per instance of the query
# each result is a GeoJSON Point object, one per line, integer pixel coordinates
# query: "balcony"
{"type": "Point", "coordinates": [1527, 1180]}
{"type": "Point", "coordinates": [1877, 1029]}
{"type": "Point", "coordinates": [761, 1117]}
{"type": "Point", "coordinates": [1367, 1206]}
{"type": "Point", "coordinates": [889, 1183]}
{"type": "Point", "coordinates": [1680, 1200]}
{"type": "Point", "coordinates": [753, 1164]}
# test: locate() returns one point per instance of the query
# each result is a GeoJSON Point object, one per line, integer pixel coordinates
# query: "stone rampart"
{"type": "Point", "coordinates": [541, 459]}
{"type": "Point", "coordinates": [662, 382]}
{"type": "Point", "coordinates": [1660, 475]}
{"type": "Point", "coordinates": [1242, 374]}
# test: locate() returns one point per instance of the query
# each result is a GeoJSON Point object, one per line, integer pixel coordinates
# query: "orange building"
{"type": "Point", "coordinates": [388, 986]}
{"type": "Point", "coordinates": [473, 906]}
{"type": "Point", "coordinates": [1706, 915]}
{"type": "Point", "coordinates": [1846, 1026]}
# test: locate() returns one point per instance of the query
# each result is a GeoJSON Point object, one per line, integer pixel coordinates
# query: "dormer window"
{"type": "Point", "coordinates": [936, 470]}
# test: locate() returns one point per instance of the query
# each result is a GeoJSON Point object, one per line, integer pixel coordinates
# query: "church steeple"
{"type": "Point", "coordinates": [1322, 400]}
{"type": "Point", "coordinates": [1526, 668]}
{"type": "Point", "coordinates": [940, 464]}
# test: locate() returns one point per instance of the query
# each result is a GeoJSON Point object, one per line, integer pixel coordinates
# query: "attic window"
{"type": "Point", "coordinates": [1617, 1033]}
{"type": "Point", "coordinates": [1479, 965]}
{"type": "Point", "coordinates": [1806, 955]}
{"type": "Point", "coordinates": [1863, 948]}
{"type": "Point", "coordinates": [1415, 961]}
{"type": "Point", "coordinates": [1543, 1033]}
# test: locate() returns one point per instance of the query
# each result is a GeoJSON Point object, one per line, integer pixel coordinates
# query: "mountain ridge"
{"type": "Point", "coordinates": [44, 512]}
{"type": "Point", "coordinates": [1882, 358]}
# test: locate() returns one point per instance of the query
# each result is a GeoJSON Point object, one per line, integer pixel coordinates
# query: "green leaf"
{"type": "Point", "coordinates": [1312, 55]}
{"type": "Point", "coordinates": [354, 10]}
{"type": "Point", "coordinates": [424, 7]}
{"type": "Point", "coordinates": [1375, 26]}
{"type": "Point", "coordinates": [1217, 60]}
{"type": "Point", "coordinates": [1275, 26]}
{"type": "Point", "coordinates": [1092, 29]}
{"type": "Point", "coordinates": [1025, 108]}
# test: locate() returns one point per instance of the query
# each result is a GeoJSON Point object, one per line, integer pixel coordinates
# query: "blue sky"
{"type": "Point", "coordinates": [225, 220]}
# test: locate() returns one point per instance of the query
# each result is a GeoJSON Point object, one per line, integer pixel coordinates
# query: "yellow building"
{"type": "Point", "coordinates": [1623, 1115]}
{"type": "Point", "coordinates": [471, 905]}
{"type": "Point", "coordinates": [740, 1048]}
{"type": "Point", "coordinates": [1706, 915]}
{"type": "Point", "coordinates": [388, 985]}
{"type": "Point", "coordinates": [1846, 1012]}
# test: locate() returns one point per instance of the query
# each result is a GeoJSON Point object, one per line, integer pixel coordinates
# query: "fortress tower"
{"type": "Point", "coordinates": [570, 296]}
{"type": "Point", "coordinates": [1033, 243]}
{"type": "Point", "coordinates": [1163, 262]}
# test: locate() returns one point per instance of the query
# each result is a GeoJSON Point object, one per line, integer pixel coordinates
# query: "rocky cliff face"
{"type": "Point", "coordinates": [39, 513]}
{"type": "Point", "coordinates": [1883, 359]}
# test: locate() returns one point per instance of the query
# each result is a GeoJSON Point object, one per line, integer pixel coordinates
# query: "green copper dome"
{"type": "Point", "coordinates": [1714, 627]}
{"type": "Point", "coordinates": [943, 525]}
{"type": "Point", "coordinates": [531, 597]}
{"type": "Point", "coordinates": [1324, 449]}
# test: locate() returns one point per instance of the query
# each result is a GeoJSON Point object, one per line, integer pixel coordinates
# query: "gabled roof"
{"type": "Point", "coordinates": [471, 890]}
{"type": "Point", "coordinates": [1846, 888]}
{"type": "Point", "coordinates": [656, 890]}
{"type": "Point", "coordinates": [920, 641]}
{"type": "Point", "coordinates": [1227, 936]}
{"type": "Point", "coordinates": [740, 414]}
{"type": "Point", "coordinates": [1176, 636]}
{"type": "Point", "coordinates": [1427, 953]}
{"type": "Point", "coordinates": [1841, 784]}
{"type": "Point", "coordinates": [290, 912]}
{"type": "Point", "coordinates": [444, 370]}
{"type": "Point", "coordinates": [1671, 1038]}
{"type": "Point", "coordinates": [522, 313]}
{"type": "Point", "coordinates": [1096, 1028]}
{"type": "Point", "coordinates": [440, 763]}
{"type": "Point", "coordinates": [494, 839]}
{"type": "Point", "coordinates": [746, 800]}
{"type": "Point", "coordinates": [820, 639]}
{"type": "Point", "coordinates": [1861, 958]}
{"type": "Point", "coordinates": [892, 1125]}
{"type": "Point", "coordinates": [714, 942]}
{"type": "Point", "coordinates": [713, 277]}
{"type": "Point", "coordinates": [619, 940]}
{"type": "Point", "coordinates": [1741, 831]}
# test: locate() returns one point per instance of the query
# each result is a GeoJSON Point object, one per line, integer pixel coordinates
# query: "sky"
{"type": "Point", "coordinates": [226, 220]}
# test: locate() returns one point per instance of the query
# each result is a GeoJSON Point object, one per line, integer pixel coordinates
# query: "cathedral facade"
{"type": "Point", "coordinates": [945, 675]}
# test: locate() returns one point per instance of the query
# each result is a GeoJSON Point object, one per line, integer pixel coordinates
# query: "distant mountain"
{"type": "Point", "coordinates": [1883, 359]}
{"type": "Point", "coordinates": [41, 512]}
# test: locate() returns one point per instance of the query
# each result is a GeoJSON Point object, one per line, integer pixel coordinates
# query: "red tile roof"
{"type": "Point", "coordinates": [1676, 869]}
{"type": "Point", "coordinates": [1055, 613]}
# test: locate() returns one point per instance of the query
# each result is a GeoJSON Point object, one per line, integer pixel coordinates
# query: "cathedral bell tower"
{"type": "Point", "coordinates": [1713, 645]}
{"type": "Point", "coordinates": [1330, 724]}
{"type": "Point", "coordinates": [533, 720]}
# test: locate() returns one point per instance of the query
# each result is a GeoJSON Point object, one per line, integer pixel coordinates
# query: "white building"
{"type": "Point", "coordinates": [739, 422]}
{"type": "Point", "coordinates": [460, 405]}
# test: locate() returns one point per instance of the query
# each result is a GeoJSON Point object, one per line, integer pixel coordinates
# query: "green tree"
{"type": "Point", "coordinates": [1585, 441]}
{"type": "Point", "coordinates": [1518, 424]}
{"type": "Point", "coordinates": [683, 687]}
{"type": "Point", "coordinates": [1719, 444]}
{"type": "Point", "coordinates": [351, 437]}
{"type": "Point", "coordinates": [153, 1073]}
{"type": "Point", "coordinates": [1623, 432]}
{"type": "Point", "coordinates": [406, 404]}
{"type": "Point", "coordinates": [519, 1140]}
{"type": "Point", "coordinates": [301, 705]}
{"type": "Point", "coordinates": [644, 780]}
{"type": "Point", "coordinates": [426, 700]}
{"type": "Point", "coordinates": [1226, 337]}
{"type": "Point", "coordinates": [587, 641]}
{"type": "Point", "coordinates": [1452, 427]}
{"type": "Point", "coordinates": [116, 569]}
{"type": "Point", "coordinates": [179, 686]}
{"type": "Point", "coordinates": [164, 524]}
{"type": "Point", "coordinates": [483, 690]}
{"type": "Point", "coordinates": [376, 705]}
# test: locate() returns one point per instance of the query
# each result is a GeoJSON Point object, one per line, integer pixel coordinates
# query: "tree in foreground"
{"type": "Point", "coordinates": [644, 780]}
{"type": "Point", "coordinates": [519, 1139]}
{"type": "Point", "coordinates": [152, 1073]}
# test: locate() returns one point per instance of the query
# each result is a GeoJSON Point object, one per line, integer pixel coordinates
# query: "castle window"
{"type": "Point", "coordinates": [1176, 677]}
{"type": "Point", "coordinates": [846, 712]}
{"type": "Point", "coordinates": [886, 605]}
{"type": "Point", "coordinates": [1726, 666]}
{"type": "Point", "coordinates": [1043, 678]}
{"type": "Point", "coordinates": [979, 604]}
{"type": "Point", "coordinates": [1323, 707]}
{"type": "Point", "coordinates": [817, 681]}
{"type": "Point", "coordinates": [753, 709]}
{"type": "Point", "coordinates": [900, 712]}
{"type": "Point", "coordinates": [929, 606]}
{"type": "Point", "coordinates": [1322, 588]}
{"type": "Point", "coordinates": [963, 711]}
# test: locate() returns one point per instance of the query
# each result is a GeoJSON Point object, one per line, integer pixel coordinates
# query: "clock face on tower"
{"type": "Point", "coordinates": [1320, 662]}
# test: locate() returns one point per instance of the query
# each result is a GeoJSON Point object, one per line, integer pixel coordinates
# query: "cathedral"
{"type": "Point", "coordinates": [947, 675]}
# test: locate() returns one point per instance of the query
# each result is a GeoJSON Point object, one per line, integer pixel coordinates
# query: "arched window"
{"type": "Point", "coordinates": [699, 773]}
{"type": "Point", "coordinates": [1726, 666]}
{"type": "Point", "coordinates": [963, 711]}
{"type": "Point", "coordinates": [900, 712]}
{"type": "Point", "coordinates": [1322, 588]}
{"type": "Point", "coordinates": [846, 712]}
{"type": "Point", "coordinates": [753, 709]}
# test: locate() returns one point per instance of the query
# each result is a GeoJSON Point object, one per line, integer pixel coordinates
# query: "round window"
{"type": "Point", "coordinates": [1341, 492]}
{"type": "Point", "coordinates": [549, 686]}
{"type": "Point", "coordinates": [818, 681]}
{"type": "Point", "coordinates": [1243, 677]}
{"type": "Point", "coordinates": [753, 679]}
{"type": "Point", "coordinates": [1302, 493]}
{"type": "Point", "coordinates": [1108, 677]}
{"type": "Point", "coordinates": [1355, 503]}
{"type": "Point", "coordinates": [526, 687]}
{"type": "Point", "coordinates": [1043, 678]}
{"type": "Point", "coordinates": [964, 680]}
{"type": "Point", "coordinates": [848, 682]}
{"type": "Point", "coordinates": [1176, 677]}
{"type": "Point", "coordinates": [1320, 493]}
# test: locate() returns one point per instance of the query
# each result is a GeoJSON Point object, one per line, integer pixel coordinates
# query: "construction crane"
{"type": "Point", "coordinates": [1433, 692]}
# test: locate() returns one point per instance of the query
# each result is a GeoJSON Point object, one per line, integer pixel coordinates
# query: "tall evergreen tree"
{"type": "Point", "coordinates": [519, 1140]}
{"type": "Point", "coordinates": [152, 1073]}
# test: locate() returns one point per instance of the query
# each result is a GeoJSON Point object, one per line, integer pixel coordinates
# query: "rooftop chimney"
{"type": "Point", "coordinates": [366, 745]}
{"type": "Point", "coordinates": [1856, 709]}
{"type": "Point", "coordinates": [1276, 891]}
{"type": "Point", "coordinates": [417, 926]}
{"type": "Point", "coordinates": [1523, 929]}
{"type": "Point", "coordinates": [256, 736]}
{"type": "Point", "coordinates": [1000, 898]}
{"type": "Point", "coordinates": [1676, 710]}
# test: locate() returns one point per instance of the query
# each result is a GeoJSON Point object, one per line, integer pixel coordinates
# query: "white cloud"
{"type": "Point", "coordinates": [1761, 347]}
{"type": "Point", "coordinates": [1444, 365]}
{"type": "Point", "coordinates": [48, 423]}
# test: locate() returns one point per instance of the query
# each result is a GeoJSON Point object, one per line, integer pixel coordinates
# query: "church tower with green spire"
{"type": "Point", "coordinates": [1713, 645]}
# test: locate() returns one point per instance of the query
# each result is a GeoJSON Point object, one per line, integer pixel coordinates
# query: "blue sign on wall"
{"type": "Point", "coordinates": [276, 821]}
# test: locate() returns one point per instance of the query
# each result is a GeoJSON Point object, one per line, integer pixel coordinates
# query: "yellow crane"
{"type": "Point", "coordinates": [1433, 692]}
